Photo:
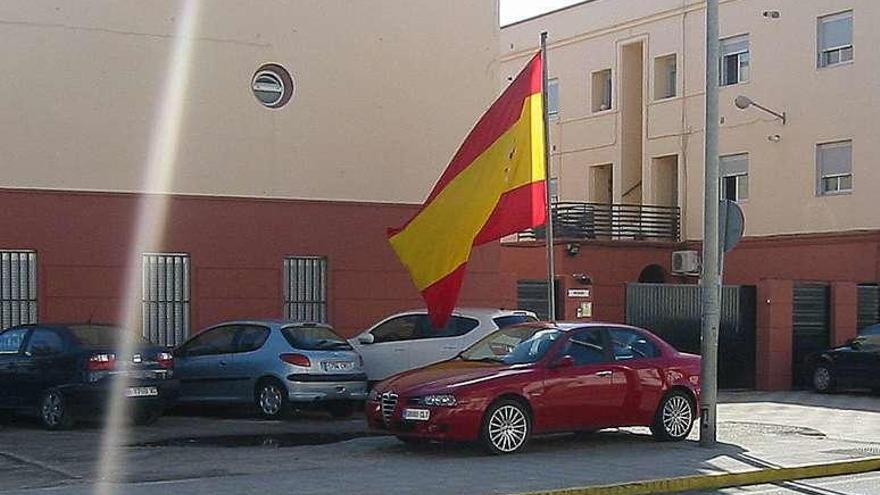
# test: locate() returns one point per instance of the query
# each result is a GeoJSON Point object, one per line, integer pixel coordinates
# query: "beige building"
{"type": "Point", "coordinates": [285, 135]}
{"type": "Point", "coordinates": [627, 94]}
{"type": "Point", "coordinates": [630, 115]}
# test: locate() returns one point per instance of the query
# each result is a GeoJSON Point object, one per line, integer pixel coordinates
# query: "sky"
{"type": "Point", "coordinates": [516, 10]}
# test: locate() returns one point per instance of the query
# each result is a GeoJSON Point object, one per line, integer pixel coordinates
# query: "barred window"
{"type": "Point", "coordinates": [305, 288]}
{"type": "Point", "coordinates": [18, 287]}
{"type": "Point", "coordinates": [166, 298]}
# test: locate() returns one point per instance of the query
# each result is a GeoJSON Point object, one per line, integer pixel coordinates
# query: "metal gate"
{"type": "Point", "coordinates": [869, 305]}
{"type": "Point", "coordinates": [811, 333]}
{"type": "Point", "coordinates": [531, 295]}
{"type": "Point", "coordinates": [166, 311]}
{"type": "Point", "coordinates": [18, 288]}
{"type": "Point", "coordinates": [672, 312]}
{"type": "Point", "coordinates": [305, 288]}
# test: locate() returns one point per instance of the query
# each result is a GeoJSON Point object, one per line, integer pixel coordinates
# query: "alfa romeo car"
{"type": "Point", "coordinates": [543, 377]}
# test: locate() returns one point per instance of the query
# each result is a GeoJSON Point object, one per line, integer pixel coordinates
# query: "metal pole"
{"type": "Point", "coordinates": [710, 280]}
{"type": "Point", "coordinates": [551, 270]}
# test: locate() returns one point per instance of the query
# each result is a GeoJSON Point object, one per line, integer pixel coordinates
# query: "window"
{"type": "Point", "coordinates": [305, 288]}
{"type": "Point", "coordinates": [401, 328]}
{"type": "Point", "coordinates": [166, 309]}
{"type": "Point", "coordinates": [835, 39]}
{"type": "Point", "coordinates": [272, 85]}
{"type": "Point", "coordinates": [313, 338]}
{"type": "Point", "coordinates": [249, 338]}
{"type": "Point", "coordinates": [45, 342]}
{"type": "Point", "coordinates": [220, 340]}
{"type": "Point", "coordinates": [834, 163]}
{"type": "Point", "coordinates": [629, 344]}
{"type": "Point", "coordinates": [554, 189]}
{"type": "Point", "coordinates": [601, 90]}
{"type": "Point", "coordinates": [11, 340]}
{"type": "Point", "coordinates": [665, 77]}
{"type": "Point", "coordinates": [735, 177]}
{"type": "Point", "coordinates": [586, 347]}
{"type": "Point", "coordinates": [18, 288]}
{"type": "Point", "coordinates": [553, 98]}
{"type": "Point", "coordinates": [735, 58]}
{"type": "Point", "coordinates": [455, 327]}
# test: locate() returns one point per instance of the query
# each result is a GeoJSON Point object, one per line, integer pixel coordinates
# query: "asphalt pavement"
{"type": "Point", "coordinates": [313, 454]}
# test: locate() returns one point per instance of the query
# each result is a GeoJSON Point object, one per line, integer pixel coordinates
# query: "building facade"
{"type": "Point", "coordinates": [627, 87]}
{"type": "Point", "coordinates": [277, 142]}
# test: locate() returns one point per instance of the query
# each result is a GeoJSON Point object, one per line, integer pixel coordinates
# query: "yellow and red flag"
{"type": "Point", "coordinates": [494, 186]}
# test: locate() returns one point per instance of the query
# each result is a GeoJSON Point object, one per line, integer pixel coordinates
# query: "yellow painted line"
{"type": "Point", "coordinates": [725, 480]}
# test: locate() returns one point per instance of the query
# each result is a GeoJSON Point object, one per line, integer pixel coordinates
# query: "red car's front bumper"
{"type": "Point", "coordinates": [446, 424]}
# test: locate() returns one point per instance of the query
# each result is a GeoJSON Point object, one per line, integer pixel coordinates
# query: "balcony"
{"type": "Point", "coordinates": [586, 221]}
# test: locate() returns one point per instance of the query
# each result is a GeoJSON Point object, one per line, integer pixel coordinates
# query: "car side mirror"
{"type": "Point", "coordinates": [366, 338]}
{"type": "Point", "coordinates": [855, 343]}
{"type": "Point", "coordinates": [564, 362]}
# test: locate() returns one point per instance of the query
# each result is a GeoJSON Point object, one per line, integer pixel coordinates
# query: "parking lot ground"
{"type": "Point", "coordinates": [312, 454]}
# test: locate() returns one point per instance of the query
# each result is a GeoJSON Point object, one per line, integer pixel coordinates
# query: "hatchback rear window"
{"type": "Point", "coordinates": [506, 321]}
{"type": "Point", "coordinates": [314, 338]}
{"type": "Point", "coordinates": [99, 336]}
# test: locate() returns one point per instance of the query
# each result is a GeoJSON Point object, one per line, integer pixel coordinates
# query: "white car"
{"type": "Point", "coordinates": [406, 341]}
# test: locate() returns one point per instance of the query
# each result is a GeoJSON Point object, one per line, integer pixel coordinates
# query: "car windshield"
{"type": "Point", "coordinates": [506, 321]}
{"type": "Point", "coordinates": [100, 336]}
{"type": "Point", "coordinates": [314, 338]}
{"type": "Point", "coordinates": [871, 330]}
{"type": "Point", "coordinates": [513, 345]}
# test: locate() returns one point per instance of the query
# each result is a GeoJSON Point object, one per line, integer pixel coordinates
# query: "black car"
{"type": "Point", "coordinates": [854, 365]}
{"type": "Point", "coordinates": [62, 373]}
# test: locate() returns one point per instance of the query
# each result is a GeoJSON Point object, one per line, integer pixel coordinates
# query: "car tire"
{"type": "Point", "coordinates": [674, 418]}
{"type": "Point", "coordinates": [341, 409]}
{"type": "Point", "coordinates": [823, 379]}
{"type": "Point", "coordinates": [53, 412]}
{"type": "Point", "coordinates": [147, 418]}
{"type": "Point", "coordinates": [270, 398]}
{"type": "Point", "coordinates": [506, 428]}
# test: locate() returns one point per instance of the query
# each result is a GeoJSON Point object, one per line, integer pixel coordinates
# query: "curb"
{"type": "Point", "coordinates": [725, 480]}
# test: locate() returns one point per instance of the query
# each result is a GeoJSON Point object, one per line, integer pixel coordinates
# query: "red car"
{"type": "Point", "coordinates": [537, 378]}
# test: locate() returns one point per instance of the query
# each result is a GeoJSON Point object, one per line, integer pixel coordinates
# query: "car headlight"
{"type": "Point", "coordinates": [441, 400]}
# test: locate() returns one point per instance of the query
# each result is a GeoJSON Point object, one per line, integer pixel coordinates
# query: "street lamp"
{"type": "Point", "coordinates": [743, 102]}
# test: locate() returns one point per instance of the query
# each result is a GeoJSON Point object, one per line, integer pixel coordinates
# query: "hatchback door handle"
{"type": "Point", "coordinates": [603, 373]}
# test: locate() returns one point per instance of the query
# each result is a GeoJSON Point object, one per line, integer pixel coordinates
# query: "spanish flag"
{"type": "Point", "coordinates": [494, 186]}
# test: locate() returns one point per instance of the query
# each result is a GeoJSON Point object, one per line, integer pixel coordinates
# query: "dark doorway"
{"type": "Point", "coordinates": [531, 295]}
{"type": "Point", "coordinates": [672, 312]}
{"type": "Point", "coordinates": [653, 274]}
{"type": "Point", "coordinates": [811, 317]}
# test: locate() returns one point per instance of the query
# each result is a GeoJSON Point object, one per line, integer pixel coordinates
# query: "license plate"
{"type": "Point", "coordinates": [416, 414]}
{"type": "Point", "coordinates": [141, 392]}
{"type": "Point", "coordinates": [338, 365]}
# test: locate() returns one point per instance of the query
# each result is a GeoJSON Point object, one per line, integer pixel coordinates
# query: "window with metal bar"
{"type": "Point", "coordinates": [166, 298]}
{"type": "Point", "coordinates": [18, 287]}
{"type": "Point", "coordinates": [305, 288]}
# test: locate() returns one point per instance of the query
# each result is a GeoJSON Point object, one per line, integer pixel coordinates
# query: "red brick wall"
{"type": "Point", "coordinates": [236, 246]}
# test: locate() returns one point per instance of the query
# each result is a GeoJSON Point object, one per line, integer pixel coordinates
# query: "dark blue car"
{"type": "Point", "coordinates": [854, 365]}
{"type": "Point", "coordinates": [61, 373]}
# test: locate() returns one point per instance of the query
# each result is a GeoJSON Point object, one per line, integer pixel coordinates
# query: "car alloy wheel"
{"type": "Point", "coordinates": [53, 411]}
{"type": "Point", "coordinates": [270, 400]}
{"type": "Point", "coordinates": [677, 416]}
{"type": "Point", "coordinates": [674, 418]}
{"type": "Point", "coordinates": [506, 428]}
{"type": "Point", "coordinates": [822, 379]}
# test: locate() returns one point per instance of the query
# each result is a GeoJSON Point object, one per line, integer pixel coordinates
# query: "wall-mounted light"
{"type": "Point", "coordinates": [744, 102]}
{"type": "Point", "coordinates": [572, 249]}
{"type": "Point", "coordinates": [774, 138]}
{"type": "Point", "coordinates": [771, 14]}
{"type": "Point", "coordinates": [582, 278]}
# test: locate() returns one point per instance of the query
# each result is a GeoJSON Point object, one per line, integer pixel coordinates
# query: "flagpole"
{"type": "Point", "coordinates": [551, 271]}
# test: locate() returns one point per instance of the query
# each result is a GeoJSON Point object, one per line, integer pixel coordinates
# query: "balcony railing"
{"type": "Point", "coordinates": [583, 221]}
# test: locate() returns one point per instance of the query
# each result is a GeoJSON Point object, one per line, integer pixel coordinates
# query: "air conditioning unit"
{"type": "Point", "coordinates": [685, 262]}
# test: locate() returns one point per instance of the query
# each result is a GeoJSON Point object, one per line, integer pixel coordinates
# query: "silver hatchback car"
{"type": "Point", "coordinates": [271, 364]}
